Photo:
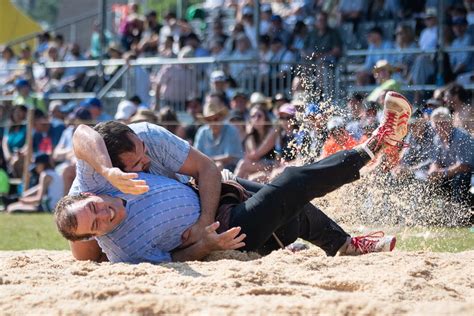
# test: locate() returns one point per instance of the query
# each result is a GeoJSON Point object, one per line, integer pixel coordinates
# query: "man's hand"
{"type": "Point", "coordinates": [228, 240]}
{"type": "Point", "coordinates": [193, 234]}
{"type": "Point", "coordinates": [124, 181]}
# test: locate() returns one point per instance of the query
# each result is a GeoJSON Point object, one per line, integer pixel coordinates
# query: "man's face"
{"type": "Point", "coordinates": [97, 215]}
{"type": "Point", "coordinates": [239, 103]}
{"type": "Point", "coordinates": [138, 160]}
{"type": "Point", "coordinates": [442, 126]}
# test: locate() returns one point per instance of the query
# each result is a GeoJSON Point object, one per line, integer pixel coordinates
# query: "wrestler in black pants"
{"type": "Point", "coordinates": [283, 206]}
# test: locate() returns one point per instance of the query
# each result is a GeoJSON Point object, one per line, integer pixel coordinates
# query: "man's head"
{"type": "Point", "coordinates": [126, 150]}
{"type": "Point", "coordinates": [321, 21]}
{"type": "Point", "coordinates": [94, 106]}
{"type": "Point", "coordinates": [375, 35]}
{"type": "Point", "coordinates": [88, 215]}
{"type": "Point", "coordinates": [442, 122]}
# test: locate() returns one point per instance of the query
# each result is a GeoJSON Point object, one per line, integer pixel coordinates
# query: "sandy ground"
{"type": "Point", "coordinates": [415, 283]}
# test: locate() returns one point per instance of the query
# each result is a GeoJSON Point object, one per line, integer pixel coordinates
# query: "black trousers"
{"type": "Point", "coordinates": [283, 205]}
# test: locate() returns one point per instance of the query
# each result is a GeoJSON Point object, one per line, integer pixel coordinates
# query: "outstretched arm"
{"type": "Point", "coordinates": [211, 241]}
{"type": "Point", "coordinates": [90, 147]}
{"type": "Point", "coordinates": [208, 177]}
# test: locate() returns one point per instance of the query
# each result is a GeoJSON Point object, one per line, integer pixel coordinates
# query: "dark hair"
{"type": "Point", "coordinates": [253, 132]}
{"type": "Point", "coordinates": [376, 29]}
{"type": "Point", "coordinates": [117, 140]}
{"type": "Point", "coordinates": [457, 90]}
{"type": "Point", "coordinates": [66, 221]}
{"type": "Point", "coordinates": [357, 96]}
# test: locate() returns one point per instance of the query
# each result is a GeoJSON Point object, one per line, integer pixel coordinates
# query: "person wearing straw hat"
{"type": "Point", "coordinates": [217, 139]}
{"type": "Point", "coordinates": [383, 72]}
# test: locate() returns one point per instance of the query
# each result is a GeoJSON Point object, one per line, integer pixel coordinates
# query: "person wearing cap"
{"type": "Point", "coordinates": [219, 84]}
{"type": "Point", "coordinates": [383, 72]}
{"type": "Point", "coordinates": [25, 97]}
{"type": "Point", "coordinates": [265, 18]}
{"type": "Point", "coordinates": [168, 118]}
{"type": "Point", "coordinates": [125, 110]}
{"type": "Point", "coordinates": [339, 138]}
{"type": "Point", "coordinates": [249, 25]}
{"type": "Point", "coordinates": [239, 103]}
{"type": "Point", "coordinates": [217, 139]}
{"type": "Point", "coordinates": [279, 29]}
{"type": "Point", "coordinates": [323, 43]}
{"type": "Point", "coordinates": [94, 106]}
{"type": "Point", "coordinates": [461, 62]}
{"type": "Point", "coordinates": [237, 120]}
{"type": "Point", "coordinates": [429, 35]}
{"type": "Point", "coordinates": [453, 160]}
{"type": "Point", "coordinates": [45, 195]}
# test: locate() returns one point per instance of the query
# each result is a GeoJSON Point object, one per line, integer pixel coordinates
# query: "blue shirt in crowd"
{"type": "Point", "coordinates": [227, 142]}
{"type": "Point", "coordinates": [460, 149]}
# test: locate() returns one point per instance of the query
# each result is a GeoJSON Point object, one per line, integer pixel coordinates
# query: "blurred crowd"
{"type": "Point", "coordinates": [252, 134]}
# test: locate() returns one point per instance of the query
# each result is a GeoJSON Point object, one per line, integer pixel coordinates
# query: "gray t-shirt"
{"type": "Point", "coordinates": [460, 149]}
{"type": "Point", "coordinates": [167, 153]}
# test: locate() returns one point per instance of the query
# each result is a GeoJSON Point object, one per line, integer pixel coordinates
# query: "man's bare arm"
{"type": "Point", "coordinates": [211, 241]}
{"type": "Point", "coordinates": [89, 146]}
{"type": "Point", "coordinates": [208, 177]}
{"type": "Point", "coordinates": [87, 250]}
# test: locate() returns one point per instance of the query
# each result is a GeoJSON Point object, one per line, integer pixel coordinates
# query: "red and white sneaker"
{"type": "Point", "coordinates": [394, 126]}
{"type": "Point", "coordinates": [373, 242]}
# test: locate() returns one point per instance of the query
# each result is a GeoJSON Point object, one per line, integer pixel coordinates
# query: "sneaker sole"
{"type": "Point", "coordinates": [399, 96]}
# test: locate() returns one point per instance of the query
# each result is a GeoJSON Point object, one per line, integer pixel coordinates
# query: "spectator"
{"type": "Point", "coordinates": [278, 29]}
{"type": "Point", "coordinates": [404, 39]}
{"type": "Point", "coordinates": [429, 35]}
{"type": "Point", "coordinates": [193, 107]}
{"type": "Point", "coordinates": [166, 49]}
{"type": "Point", "coordinates": [217, 49]}
{"type": "Point", "coordinates": [45, 195]}
{"type": "Point", "coordinates": [298, 38]}
{"type": "Point", "coordinates": [151, 35]}
{"type": "Point", "coordinates": [383, 72]}
{"type": "Point", "coordinates": [60, 45]}
{"type": "Point", "coordinates": [43, 43]}
{"type": "Point", "coordinates": [458, 100]}
{"type": "Point", "coordinates": [132, 31]}
{"type": "Point", "coordinates": [355, 109]}
{"type": "Point", "coordinates": [26, 56]}
{"type": "Point", "coordinates": [217, 33]}
{"type": "Point", "coordinates": [217, 139]}
{"type": "Point", "coordinates": [63, 153]}
{"type": "Point", "coordinates": [140, 82]}
{"type": "Point", "coordinates": [239, 103]}
{"type": "Point", "coordinates": [125, 110]}
{"type": "Point", "coordinates": [169, 120]}
{"type": "Point", "coordinates": [95, 107]}
{"type": "Point", "coordinates": [376, 42]}
{"type": "Point", "coordinates": [7, 59]}
{"type": "Point", "coordinates": [453, 158]}
{"type": "Point", "coordinates": [14, 141]}
{"type": "Point", "coordinates": [219, 84]}
{"type": "Point", "coordinates": [95, 43]}
{"type": "Point", "coordinates": [417, 156]}
{"type": "Point", "coordinates": [339, 138]}
{"type": "Point", "coordinates": [249, 25]}
{"type": "Point", "coordinates": [323, 43]}
{"type": "Point", "coordinates": [259, 152]}
{"type": "Point", "coordinates": [144, 115]}
{"type": "Point", "coordinates": [461, 62]}
{"type": "Point", "coordinates": [265, 18]}
{"type": "Point", "coordinates": [170, 27]}
{"type": "Point", "coordinates": [351, 11]}
{"type": "Point", "coordinates": [174, 83]}
{"type": "Point", "coordinates": [240, 71]}
{"type": "Point", "coordinates": [26, 98]}
{"type": "Point", "coordinates": [45, 136]}
{"type": "Point", "coordinates": [281, 62]}
{"type": "Point", "coordinates": [237, 120]}
{"type": "Point", "coordinates": [194, 41]}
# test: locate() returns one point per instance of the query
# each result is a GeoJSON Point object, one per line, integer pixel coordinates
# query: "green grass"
{"type": "Point", "coordinates": [29, 231]}
{"type": "Point", "coordinates": [37, 231]}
